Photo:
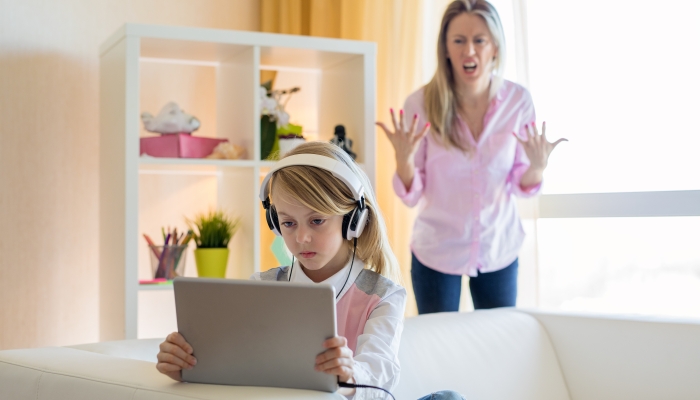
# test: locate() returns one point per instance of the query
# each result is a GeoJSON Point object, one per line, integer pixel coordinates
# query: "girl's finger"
{"type": "Point", "coordinates": [337, 341]}
{"type": "Point", "coordinates": [402, 125]}
{"type": "Point", "coordinates": [333, 363]}
{"type": "Point", "coordinates": [339, 371]}
{"type": "Point", "coordinates": [335, 352]}
{"type": "Point", "coordinates": [167, 367]}
{"type": "Point", "coordinates": [176, 351]}
{"type": "Point", "coordinates": [178, 339]}
{"type": "Point", "coordinates": [166, 358]}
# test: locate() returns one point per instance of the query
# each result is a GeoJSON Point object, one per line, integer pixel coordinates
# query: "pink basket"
{"type": "Point", "coordinates": [179, 145]}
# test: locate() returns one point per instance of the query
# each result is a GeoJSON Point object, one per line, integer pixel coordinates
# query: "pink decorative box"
{"type": "Point", "coordinates": [179, 145]}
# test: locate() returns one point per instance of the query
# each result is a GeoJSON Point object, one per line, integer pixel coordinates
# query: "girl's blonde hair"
{"type": "Point", "coordinates": [440, 100]}
{"type": "Point", "coordinates": [322, 192]}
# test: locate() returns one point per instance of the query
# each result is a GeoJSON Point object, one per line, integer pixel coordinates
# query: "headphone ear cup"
{"type": "Point", "coordinates": [354, 223]}
{"type": "Point", "coordinates": [346, 224]}
{"type": "Point", "coordinates": [272, 222]}
{"type": "Point", "coordinates": [360, 222]}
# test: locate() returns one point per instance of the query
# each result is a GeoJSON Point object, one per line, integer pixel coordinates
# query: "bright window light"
{"type": "Point", "coordinates": [620, 265]}
{"type": "Point", "coordinates": [621, 80]}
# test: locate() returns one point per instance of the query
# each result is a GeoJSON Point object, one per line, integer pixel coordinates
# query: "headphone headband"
{"type": "Point", "coordinates": [335, 167]}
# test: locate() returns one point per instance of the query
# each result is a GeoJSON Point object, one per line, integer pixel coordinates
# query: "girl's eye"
{"type": "Point", "coordinates": [479, 41]}
{"type": "Point", "coordinates": [459, 41]}
{"type": "Point", "coordinates": [287, 224]}
{"type": "Point", "coordinates": [317, 221]}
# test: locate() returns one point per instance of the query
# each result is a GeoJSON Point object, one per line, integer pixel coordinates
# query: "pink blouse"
{"type": "Point", "coordinates": [468, 221]}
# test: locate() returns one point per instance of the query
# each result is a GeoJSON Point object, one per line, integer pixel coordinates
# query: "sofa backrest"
{"type": "Point", "coordinates": [626, 357]}
{"type": "Point", "coordinates": [490, 354]}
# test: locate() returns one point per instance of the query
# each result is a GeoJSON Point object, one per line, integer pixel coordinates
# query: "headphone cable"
{"type": "Point", "coordinates": [291, 268]}
{"type": "Point", "coordinates": [358, 386]}
{"type": "Point", "coordinates": [354, 250]}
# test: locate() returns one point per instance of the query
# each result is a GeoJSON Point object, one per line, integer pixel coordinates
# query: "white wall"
{"type": "Point", "coordinates": [48, 154]}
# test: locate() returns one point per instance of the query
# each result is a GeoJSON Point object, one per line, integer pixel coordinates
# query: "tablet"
{"type": "Point", "coordinates": [256, 333]}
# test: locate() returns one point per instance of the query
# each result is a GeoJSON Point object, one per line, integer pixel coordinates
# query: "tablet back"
{"type": "Point", "coordinates": [255, 333]}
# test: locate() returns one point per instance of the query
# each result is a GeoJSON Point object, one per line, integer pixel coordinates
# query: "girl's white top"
{"type": "Point", "coordinates": [369, 314]}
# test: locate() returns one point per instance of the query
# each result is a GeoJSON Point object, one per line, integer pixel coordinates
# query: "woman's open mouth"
{"type": "Point", "coordinates": [469, 67]}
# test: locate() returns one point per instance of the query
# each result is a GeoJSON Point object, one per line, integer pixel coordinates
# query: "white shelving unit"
{"type": "Point", "coordinates": [214, 75]}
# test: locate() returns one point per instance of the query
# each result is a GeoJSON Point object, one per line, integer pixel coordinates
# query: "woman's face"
{"type": "Point", "coordinates": [471, 50]}
{"type": "Point", "coordinates": [314, 238]}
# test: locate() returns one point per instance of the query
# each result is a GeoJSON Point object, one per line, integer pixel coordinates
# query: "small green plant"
{"type": "Point", "coordinates": [213, 230]}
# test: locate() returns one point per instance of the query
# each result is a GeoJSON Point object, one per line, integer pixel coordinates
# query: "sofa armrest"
{"type": "Point", "coordinates": [137, 349]}
{"type": "Point", "coordinates": [59, 373]}
{"type": "Point", "coordinates": [624, 357]}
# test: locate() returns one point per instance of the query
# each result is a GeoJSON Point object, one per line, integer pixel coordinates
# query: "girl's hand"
{"type": "Point", "coordinates": [337, 360]}
{"type": "Point", "coordinates": [174, 356]}
{"type": "Point", "coordinates": [536, 147]}
{"type": "Point", "coordinates": [404, 138]}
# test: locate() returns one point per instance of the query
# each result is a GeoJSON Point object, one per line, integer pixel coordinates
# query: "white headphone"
{"type": "Point", "coordinates": [353, 222]}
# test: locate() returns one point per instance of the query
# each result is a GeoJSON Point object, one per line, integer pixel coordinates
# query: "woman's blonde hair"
{"type": "Point", "coordinates": [440, 100]}
{"type": "Point", "coordinates": [322, 192]}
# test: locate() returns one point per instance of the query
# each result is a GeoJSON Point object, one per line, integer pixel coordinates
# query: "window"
{"type": "Point", "coordinates": [620, 79]}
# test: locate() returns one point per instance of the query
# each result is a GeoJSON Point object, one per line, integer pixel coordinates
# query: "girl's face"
{"type": "Point", "coordinates": [471, 50]}
{"type": "Point", "coordinates": [314, 238]}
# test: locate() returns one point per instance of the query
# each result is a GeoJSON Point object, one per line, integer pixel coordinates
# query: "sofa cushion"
{"type": "Point", "coordinates": [489, 354]}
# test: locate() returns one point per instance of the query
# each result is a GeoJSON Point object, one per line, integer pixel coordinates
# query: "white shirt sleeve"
{"type": "Point", "coordinates": [377, 352]}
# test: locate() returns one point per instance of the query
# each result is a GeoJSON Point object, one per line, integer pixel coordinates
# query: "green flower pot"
{"type": "Point", "coordinates": [211, 263]}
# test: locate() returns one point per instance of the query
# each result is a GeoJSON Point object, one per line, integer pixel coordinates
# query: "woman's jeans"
{"type": "Point", "coordinates": [438, 292]}
{"type": "Point", "coordinates": [443, 395]}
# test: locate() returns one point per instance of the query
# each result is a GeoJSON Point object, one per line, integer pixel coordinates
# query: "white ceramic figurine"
{"type": "Point", "coordinates": [171, 119]}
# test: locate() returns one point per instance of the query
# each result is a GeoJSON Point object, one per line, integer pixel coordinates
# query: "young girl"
{"type": "Point", "coordinates": [332, 225]}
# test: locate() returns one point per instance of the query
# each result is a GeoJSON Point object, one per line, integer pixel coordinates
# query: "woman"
{"type": "Point", "coordinates": [476, 149]}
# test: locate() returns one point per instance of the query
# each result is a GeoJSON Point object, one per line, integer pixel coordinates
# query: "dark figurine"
{"type": "Point", "coordinates": [341, 141]}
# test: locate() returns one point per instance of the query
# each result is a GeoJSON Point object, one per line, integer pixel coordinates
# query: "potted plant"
{"type": "Point", "coordinates": [277, 135]}
{"type": "Point", "coordinates": [212, 233]}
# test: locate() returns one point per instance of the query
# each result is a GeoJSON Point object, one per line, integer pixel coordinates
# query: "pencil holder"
{"type": "Point", "coordinates": [168, 261]}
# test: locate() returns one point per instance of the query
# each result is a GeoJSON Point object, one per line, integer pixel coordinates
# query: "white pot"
{"type": "Point", "coordinates": [288, 144]}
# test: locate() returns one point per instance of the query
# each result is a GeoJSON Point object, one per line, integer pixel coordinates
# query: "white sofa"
{"type": "Point", "coordinates": [495, 354]}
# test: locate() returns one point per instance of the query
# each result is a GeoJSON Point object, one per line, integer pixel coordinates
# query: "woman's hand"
{"type": "Point", "coordinates": [537, 149]}
{"type": "Point", "coordinates": [404, 138]}
{"type": "Point", "coordinates": [174, 356]}
{"type": "Point", "coordinates": [337, 360]}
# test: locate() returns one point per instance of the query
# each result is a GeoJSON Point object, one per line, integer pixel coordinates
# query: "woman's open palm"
{"type": "Point", "coordinates": [404, 138]}
{"type": "Point", "coordinates": [536, 147]}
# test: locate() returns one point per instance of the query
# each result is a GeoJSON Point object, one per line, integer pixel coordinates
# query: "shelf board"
{"type": "Point", "coordinates": [146, 161]}
{"type": "Point", "coordinates": [156, 287]}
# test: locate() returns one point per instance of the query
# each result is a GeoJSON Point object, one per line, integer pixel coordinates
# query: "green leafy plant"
{"type": "Point", "coordinates": [213, 230]}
